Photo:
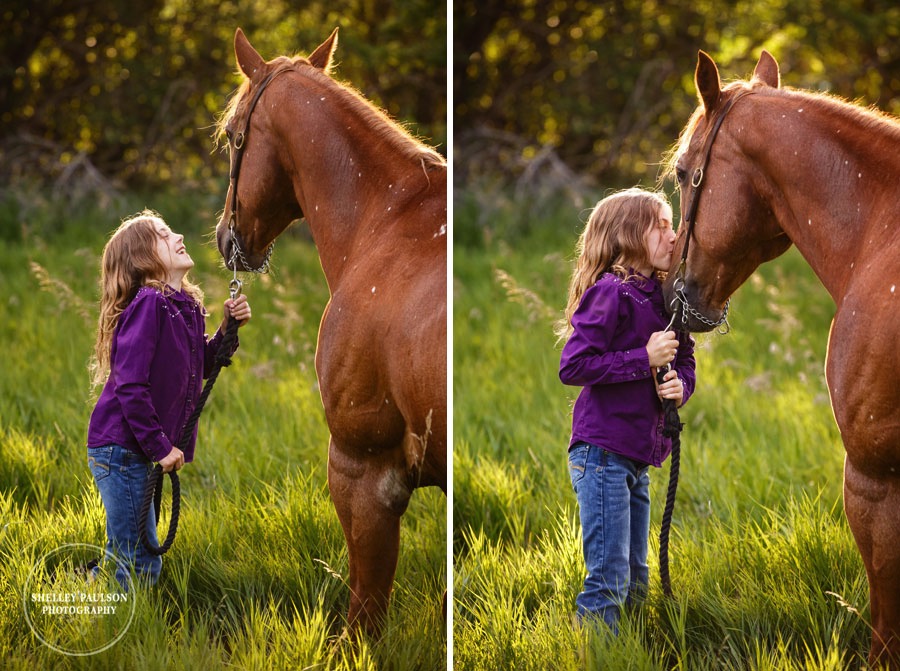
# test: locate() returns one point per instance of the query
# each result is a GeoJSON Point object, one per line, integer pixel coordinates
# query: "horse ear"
{"type": "Point", "coordinates": [321, 57]}
{"type": "Point", "coordinates": [766, 70]}
{"type": "Point", "coordinates": [248, 59]}
{"type": "Point", "coordinates": [706, 78]}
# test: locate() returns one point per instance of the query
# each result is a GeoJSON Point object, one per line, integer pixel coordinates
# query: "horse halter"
{"type": "Point", "coordinates": [688, 220]}
{"type": "Point", "coordinates": [238, 144]}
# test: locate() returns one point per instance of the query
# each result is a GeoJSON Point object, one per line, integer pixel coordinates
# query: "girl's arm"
{"type": "Point", "coordinates": [686, 365]}
{"type": "Point", "coordinates": [586, 358]}
{"type": "Point", "coordinates": [240, 308]}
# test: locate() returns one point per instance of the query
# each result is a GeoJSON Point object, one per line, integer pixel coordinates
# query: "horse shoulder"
{"type": "Point", "coordinates": [862, 369]}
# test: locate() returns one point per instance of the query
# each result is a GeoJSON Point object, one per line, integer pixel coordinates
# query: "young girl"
{"type": "Point", "coordinates": [615, 340]}
{"type": "Point", "coordinates": [151, 355]}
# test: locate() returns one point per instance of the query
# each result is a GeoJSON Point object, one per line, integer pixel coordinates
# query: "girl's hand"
{"type": "Point", "coordinates": [661, 348]}
{"type": "Point", "coordinates": [671, 388]}
{"type": "Point", "coordinates": [173, 460]}
{"type": "Point", "coordinates": [239, 307]}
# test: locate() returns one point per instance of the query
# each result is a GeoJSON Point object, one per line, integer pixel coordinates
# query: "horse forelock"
{"type": "Point", "coordinates": [382, 126]}
{"type": "Point", "coordinates": [681, 145]}
{"type": "Point", "coordinates": [229, 111]}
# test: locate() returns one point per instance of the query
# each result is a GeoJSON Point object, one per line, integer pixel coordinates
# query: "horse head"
{"type": "Point", "coordinates": [727, 224]}
{"type": "Point", "coordinates": [261, 200]}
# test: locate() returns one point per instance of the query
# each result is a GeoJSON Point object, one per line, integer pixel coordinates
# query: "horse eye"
{"type": "Point", "coordinates": [680, 174]}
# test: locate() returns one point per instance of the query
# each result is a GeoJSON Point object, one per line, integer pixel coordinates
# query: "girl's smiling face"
{"type": "Point", "coordinates": [171, 251]}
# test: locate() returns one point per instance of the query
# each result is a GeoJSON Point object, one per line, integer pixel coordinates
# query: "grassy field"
{"type": "Point", "coordinates": [257, 576]}
{"type": "Point", "coordinates": [764, 568]}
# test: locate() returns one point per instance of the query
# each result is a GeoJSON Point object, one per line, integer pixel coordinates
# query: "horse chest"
{"type": "Point", "coordinates": [357, 392]}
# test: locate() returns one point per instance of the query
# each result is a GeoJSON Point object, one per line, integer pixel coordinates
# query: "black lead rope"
{"type": "Point", "coordinates": [671, 429]}
{"type": "Point", "coordinates": [672, 422]}
{"type": "Point", "coordinates": [153, 493]}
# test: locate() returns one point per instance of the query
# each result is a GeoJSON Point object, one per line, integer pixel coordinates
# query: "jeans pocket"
{"type": "Point", "coordinates": [578, 456]}
{"type": "Point", "coordinates": [99, 459]}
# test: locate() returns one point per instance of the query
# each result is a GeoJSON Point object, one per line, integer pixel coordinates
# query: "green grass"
{"type": "Point", "coordinates": [257, 578]}
{"type": "Point", "coordinates": [764, 568]}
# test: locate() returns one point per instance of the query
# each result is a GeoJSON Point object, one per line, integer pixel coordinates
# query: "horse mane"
{"type": "Point", "coordinates": [384, 127]}
{"type": "Point", "coordinates": [869, 118]}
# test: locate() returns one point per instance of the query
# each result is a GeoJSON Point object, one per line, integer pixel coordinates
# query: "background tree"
{"type": "Point", "coordinates": [123, 93]}
{"type": "Point", "coordinates": [547, 93]}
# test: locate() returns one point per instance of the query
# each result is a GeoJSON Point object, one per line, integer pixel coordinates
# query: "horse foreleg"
{"type": "Point", "coordinates": [872, 506]}
{"type": "Point", "coordinates": [370, 497]}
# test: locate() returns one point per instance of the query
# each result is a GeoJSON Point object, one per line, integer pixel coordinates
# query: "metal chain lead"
{"type": "Point", "coordinates": [237, 254]}
{"type": "Point", "coordinates": [688, 310]}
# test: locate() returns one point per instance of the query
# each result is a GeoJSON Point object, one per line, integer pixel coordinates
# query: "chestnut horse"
{"type": "Point", "coordinates": [795, 167]}
{"type": "Point", "coordinates": [375, 199]}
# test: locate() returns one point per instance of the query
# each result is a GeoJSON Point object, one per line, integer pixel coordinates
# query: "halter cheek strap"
{"type": "Point", "coordinates": [238, 145]}
{"type": "Point", "coordinates": [688, 219]}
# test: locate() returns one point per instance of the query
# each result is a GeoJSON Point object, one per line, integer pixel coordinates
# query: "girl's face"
{"type": "Point", "coordinates": [171, 251]}
{"type": "Point", "coordinates": [659, 241]}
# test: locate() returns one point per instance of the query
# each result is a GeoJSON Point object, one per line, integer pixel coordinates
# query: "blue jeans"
{"type": "Point", "coordinates": [121, 477]}
{"type": "Point", "coordinates": [613, 495]}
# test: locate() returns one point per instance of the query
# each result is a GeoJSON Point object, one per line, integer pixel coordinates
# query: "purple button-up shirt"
{"type": "Point", "coordinates": [158, 359]}
{"type": "Point", "coordinates": [619, 409]}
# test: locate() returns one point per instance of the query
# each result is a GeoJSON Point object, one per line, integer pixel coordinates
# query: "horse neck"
{"type": "Point", "coordinates": [821, 180]}
{"type": "Point", "coordinates": [348, 176]}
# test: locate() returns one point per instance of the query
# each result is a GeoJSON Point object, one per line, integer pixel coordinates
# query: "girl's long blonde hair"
{"type": "Point", "coordinates": [129, 262]}
{"type": "Point", "coordinates": [612, 242]}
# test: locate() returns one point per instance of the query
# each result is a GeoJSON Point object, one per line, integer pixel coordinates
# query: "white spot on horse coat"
{"type": "Point", "coordinates": [800, 111]}
{"type": "Point", "coordinates": [893, 288]}
{"type": "Point", "coordinates": [373, 290]}
{"type": "Point", "coordinates": [441, 231]}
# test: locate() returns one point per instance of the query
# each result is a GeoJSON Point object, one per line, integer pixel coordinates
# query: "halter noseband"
{"type": "Point", "coordinates": [688, 219]}
{"type": "Point", "coordinates": [238, 145]}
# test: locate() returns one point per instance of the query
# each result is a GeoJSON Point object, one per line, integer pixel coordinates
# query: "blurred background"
{"type": "Point", "coordinates": [100, 97]}
{"type": "Point", "coordinates": [567, 96]}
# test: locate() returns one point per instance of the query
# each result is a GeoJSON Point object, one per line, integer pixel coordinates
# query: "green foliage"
{"type": "Point", "coordinates": [608, 86]}
{"type": "Point", "coordinates": [764, 567]}
{"type": "Point", "coordinates": [120, 92]}
{"type": "Point", "coordinates": [257, 578]}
